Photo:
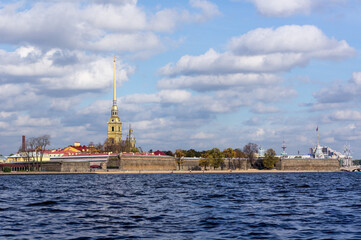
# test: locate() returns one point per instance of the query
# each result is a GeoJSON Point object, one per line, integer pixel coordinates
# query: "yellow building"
{"type": "Point", "coordinates": [114, 123]}
{"type": "Point", "coordinates": [28, 157]}
{"type": "Point", "coordinates": [131, 138]}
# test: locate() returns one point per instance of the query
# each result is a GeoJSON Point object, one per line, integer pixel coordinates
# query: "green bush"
{"type": "Point", "coordinates": [7, 169]}
{"type": "Point", "coordinates": [270, 159]}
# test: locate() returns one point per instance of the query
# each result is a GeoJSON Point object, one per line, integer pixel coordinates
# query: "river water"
{"type": "Point", "coordinates": [181, 206]}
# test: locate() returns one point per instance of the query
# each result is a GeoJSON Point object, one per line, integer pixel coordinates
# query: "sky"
{"type": "Point", "coordinates": [190, 74]}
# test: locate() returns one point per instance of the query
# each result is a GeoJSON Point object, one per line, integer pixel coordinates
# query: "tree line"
{"type": "Point", "coordinates": [230, 158]}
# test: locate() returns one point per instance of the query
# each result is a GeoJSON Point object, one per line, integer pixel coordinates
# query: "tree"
{"type": "Point", "coordinates": [42, 142]}
{"type": "Point", "coordinates": [250, 150]}
{"type": "Point", "coordinates": [229, 154]}
{"type": "Point", "coordinates": [30, 149]}
{"type": "Point", "coordinates": [215, 158]}
{"type": "Point", "coordinates": [134, 150]}
{"type": "Point", "coordinates": [168, 152]}
{"type": "Point", "coordinates": [239, 154]}
{"type": "Point", "coordinates": [179, 157]}
{"type": "Point", "coordinates": [270, 159]}
{"type": "Point", "coordinates": [111, 146]}
{"type": "Point", "coordinates": [204, 162]}
{"type": "Point", "coordinates": [100, 146]}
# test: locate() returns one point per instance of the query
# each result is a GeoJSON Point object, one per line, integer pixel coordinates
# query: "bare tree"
{"type": "Point", "coordinates": [43, 142]}
{"type": "Point", "coordinates": [179, 158]}
{"type": "Point", "coordinates": [25, 154]}
{"type": "Point", "coordinates": [250, 150]}
{"type": "Point", "coordinates": [100, 147]}
{"type": "Point", "coordinates": [31, 146]}
{"type": "Point", "coordinates": [111, 146]}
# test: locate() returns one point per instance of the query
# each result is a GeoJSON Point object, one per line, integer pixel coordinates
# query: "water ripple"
{"type": "Point", "coordinates": [181, 206]}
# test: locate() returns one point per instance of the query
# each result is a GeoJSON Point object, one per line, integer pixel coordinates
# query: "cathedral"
{"type": "Point", "coordinates": [115, 125]}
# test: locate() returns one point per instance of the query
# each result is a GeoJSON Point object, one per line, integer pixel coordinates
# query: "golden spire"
{"type": "Point", "coordinates": [114, 87]}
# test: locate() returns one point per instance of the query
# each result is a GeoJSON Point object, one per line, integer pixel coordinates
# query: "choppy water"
{"type": "Point", "coordinates": [181, 206]}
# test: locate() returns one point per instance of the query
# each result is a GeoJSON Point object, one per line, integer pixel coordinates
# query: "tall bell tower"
{"type": "Point", "coordinates": [114, 124]}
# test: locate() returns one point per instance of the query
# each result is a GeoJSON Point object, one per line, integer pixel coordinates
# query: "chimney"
{"type": "Point", "coordinates": [23, 144]}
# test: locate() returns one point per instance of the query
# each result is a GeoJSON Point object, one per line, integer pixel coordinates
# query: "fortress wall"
{"type": "Point", "coordinates": [113, 162]}
{"type": "Point", "coordinates": [51, 166]}
{"type": "Point", "coordinates": [240, 164]}
{"type": "Point", "coordinates": [189, 164]}
{"type": "Point", "coordinates": [75, 167]}
{"type": "Point", "coordinates": [147, 163]}
{"type": "Point", "coordinates": [309, 164]}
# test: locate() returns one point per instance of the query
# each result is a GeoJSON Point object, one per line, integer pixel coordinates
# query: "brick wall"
{"type": "Point", "coordinates": [309, 164]}
{"type": "Point", "coordinates": [147, 163]}
{"type": "Point", "coordinates": [75, 167]}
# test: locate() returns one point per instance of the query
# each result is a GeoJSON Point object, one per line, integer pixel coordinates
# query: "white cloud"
{"type": "Point", "coordinates": [77, 72]}
{"type": "Point", "coordinates": [340, 91]}
{"type": "Point", "coordinates": [286, 8]}
{"type": "Point", "coordinates": [126, 42]}
{"type": "Point", "coordinates": [117, 17]}
{"type": "Point", "coordinates": [26, 121]}
{"type": "Point", "coordinates": [345, 115]}
{"type": "Point", "coordinates": [10, 90]}
{"type": "Point", "coordinates": [157, 123]}
{"type": "Point", "coordinates": [164, 96]}
{"type": "Point", "coordinates": [64, 104]}
{"type": "Point", "coordinates": [306, 39]}
{"type": "Point", "coordinates": [4, 125]}
{"type": "Point", "coordinates": [216, 82]}
{"type": "Point", "coordinates": [110, 26]}
{"type": "Point", "coordinates": [264, 50]}
{"type": "Point", "coordinates": [213, 62]}
{"type": "Point", "coordinates": [202, 135]}
{"type": "Point", "coordinates": [166, 20]}
{"type": "Point", "coordinates": [282, 8]}
{"type": "Point", "coordinates": [209, 10]}
{"type": "Point", "coordinates": [262, 108]}
{"type": "Point", "coordinates": [260, 132]}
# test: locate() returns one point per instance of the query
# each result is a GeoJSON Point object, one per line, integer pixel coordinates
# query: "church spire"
{"type": "Point", "coordinates": [114, 87]}
{"type": "Point", "coordinates": [114, 123]}
{"type": "Point", "coordinates": [114, 107]}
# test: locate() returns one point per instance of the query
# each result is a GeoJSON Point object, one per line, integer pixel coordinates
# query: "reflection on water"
{"type": "Point", "coordinates": [181, 206]}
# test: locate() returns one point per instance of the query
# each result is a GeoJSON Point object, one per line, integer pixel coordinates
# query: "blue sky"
{"type": "Point", "coordinates": [190, 74]}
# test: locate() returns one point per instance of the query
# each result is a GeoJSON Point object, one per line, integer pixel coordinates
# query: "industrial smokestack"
{"type": "Point", "coordinates": [23, 144]}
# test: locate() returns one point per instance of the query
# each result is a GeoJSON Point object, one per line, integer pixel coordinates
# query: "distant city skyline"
{"type": "Point", "coordinates": [190, 74]}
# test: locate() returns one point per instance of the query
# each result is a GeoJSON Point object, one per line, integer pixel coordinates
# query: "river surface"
{"type": "Point", "coordinates": [181, 206]}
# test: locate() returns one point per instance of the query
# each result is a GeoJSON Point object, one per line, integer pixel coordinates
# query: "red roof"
{"type": "Point", "coordinates": [160, 153]}
{"type": "Point", "coordinates": [80, 148]}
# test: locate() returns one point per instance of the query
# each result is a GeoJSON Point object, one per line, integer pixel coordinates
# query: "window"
{"type": "Point", "coordinates": [112, 129]}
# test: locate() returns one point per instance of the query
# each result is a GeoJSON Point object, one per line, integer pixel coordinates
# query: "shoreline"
{"type": "Point", "coordinates": [169, 172]}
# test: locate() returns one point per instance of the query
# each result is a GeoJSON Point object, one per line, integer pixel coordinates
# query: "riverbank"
{"type": "Point", "coordinates": [164, 172]}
